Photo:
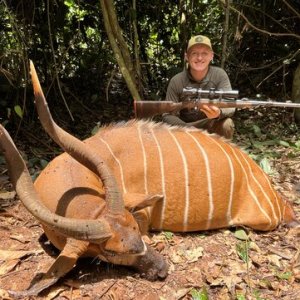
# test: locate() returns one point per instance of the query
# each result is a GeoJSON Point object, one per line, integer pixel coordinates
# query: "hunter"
{"type": "Point", "coordinates": [200, 74]}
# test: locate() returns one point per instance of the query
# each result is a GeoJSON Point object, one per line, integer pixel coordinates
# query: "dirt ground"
{"type": "Point", "coordinates": [220, 264]}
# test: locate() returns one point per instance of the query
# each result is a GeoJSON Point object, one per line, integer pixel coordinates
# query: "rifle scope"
{"type": "Point", "coordinates": [210, 94]}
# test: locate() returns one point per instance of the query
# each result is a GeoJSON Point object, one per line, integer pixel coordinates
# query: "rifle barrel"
{"type": "Point", "coordinates": [253, 103]}
{"type": "Point", "coordinates": [148, 108]}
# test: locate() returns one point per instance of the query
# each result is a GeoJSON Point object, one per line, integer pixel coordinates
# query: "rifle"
{"type": "Point", "coordinates": [196, 98]}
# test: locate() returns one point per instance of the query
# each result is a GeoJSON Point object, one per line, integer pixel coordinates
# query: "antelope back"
{"type": "Point", "coordinates": [207, 183]}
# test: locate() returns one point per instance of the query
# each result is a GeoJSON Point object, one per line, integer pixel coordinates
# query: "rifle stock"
{"type": "Point", "coordinates": [148, 108]}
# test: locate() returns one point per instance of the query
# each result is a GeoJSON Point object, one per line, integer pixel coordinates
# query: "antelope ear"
{"type": "Point", "coordinates": [134, 201]}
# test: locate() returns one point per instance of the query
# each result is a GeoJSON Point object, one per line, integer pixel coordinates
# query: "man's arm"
{"type": "Point", "coordinates": [173, 120]}
{"type": "Point", "coordinates": [173, 93]}
{"type": "Point", "coordinates": [176, 121]}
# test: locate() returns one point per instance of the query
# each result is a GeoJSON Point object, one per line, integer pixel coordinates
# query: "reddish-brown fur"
{"type": "Point", "coordinates": [129, 148]}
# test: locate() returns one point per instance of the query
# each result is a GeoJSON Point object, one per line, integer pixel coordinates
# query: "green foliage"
{"type": "Point", "coordinates": [242, 249]}
{"type": "Point", "coordinates": [240, 297]}
{"type": "Point", "coordinates": [256, 295]}
{"type": "Point", "coordinates": [199, 294]}
{"type": "Point", "coordinates": [285, 275]}
{"type": "Point", "coordinates": [241, 234]}
{"type": "Point", "coordinates": [243, 245]}
{"type": "Point", "coordinates": [36, 165]}
{"type": "Point", "coordinates": [270, 137]}
{"type": "Point", "coordinates": [35, 161]}
{"type": "Point", "coordinates": [257, 130]}
{"type": "Point", "coordinates": [265, 165]}
{"type": "Point", "coordinates": [168, 235]}
{"type": "Point", "coordinates": [18, 111]}
{"type": "Point", "coordinates": [69, 38]}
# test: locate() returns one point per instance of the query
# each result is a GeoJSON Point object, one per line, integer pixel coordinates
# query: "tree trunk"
{"type": "Point", "coordinates": [296, 93]}
{"type": "Point", "coordinates": [136, 48]}
{"type": "Point", "coordinates": [119, 46]}
{"type": "Point", "coordinates": [183, 32]}
{"type": "Point", "coordinates": [225, 33]}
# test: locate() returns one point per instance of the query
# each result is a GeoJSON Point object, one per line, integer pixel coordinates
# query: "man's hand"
{"type": "Point", "coordinates": [211, 111]}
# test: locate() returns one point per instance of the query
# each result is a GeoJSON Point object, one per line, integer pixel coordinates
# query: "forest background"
{"type": "Point", "coordinates": [94, 57]}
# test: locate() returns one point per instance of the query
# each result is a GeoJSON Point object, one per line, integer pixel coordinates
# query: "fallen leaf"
{"type": "Point", "coordinates": [215, 282]}
{"type": "Point", "coordinates": [53, 294]}
{"type": "Point", "coordinates": [231, 281]}
{"type": "Point", "coordinates": [20, 238]}
{"type": "Point", "coordinates": [281, 253]}
{"type": "Point", "coordinates": [176, 257]}
{"type": "Point", "coordinates": [7, 266]}
{"type": "Point", "coordinates": [194, 254]}
{"type": "Point", "coordinates": [238, 267]}
{"type": "Point", "coordinates": [189, 256]}
{"type": "Point", "coordinates": [264, 283]}
{"type": "Point", "coordinates": [181, 293]}
{"type": "Point", "coordinates": [274, 260]}
{"type": "Point", "coordinates": [171, 268]}
{"type": "Point", "coordinates": [15, 254]}
{"type": "Point", "coordinates": [258, 259]}
{"type": "Point", "coordinates": [4, 295]}
{"type": "Point", "coordinates": [285, 275]}
{"type": "Point", "coordinates": [254, 246]}
{"type": "Point", "coordinates": [278, 286]}
{"type": "Point", "coordinates": [7, 195]}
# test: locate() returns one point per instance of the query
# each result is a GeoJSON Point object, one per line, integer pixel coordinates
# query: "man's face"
{"type": "Point", "coordinates": [199, 56]}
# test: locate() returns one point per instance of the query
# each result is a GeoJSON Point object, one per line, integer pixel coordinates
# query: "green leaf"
{"type": "Point", "coordinates": [284, 143]}
{"type": "Point", "coordinates": [242, 249]}
{"type": "Point", "coordinates": [297, 144]}
{"type": "Point", "coordinates": [257, 296]}
{"type": "Point", "coordinates": [241, 235]}
{"type": "Point", "coordinates": [43, 163]}
{"type": "Point", "coordinates": [168, 235]}
{"type": "Point", "coordinates": [265, 165]}
{"type": "Point", "coordinates": [269, 142]}
{"type": "Point", "coordinates": [240, 297]}
{"type": "Point", "coordinates": [32, 162]}
{"type": "Point", "coordinates": [257, 145]}
{"type": "Point", "coordinates": [256, 130]}
{"type": "Point", "coordinates": [199, 294]}
{"type": "Point", "coordinates": [285, 275]}
{"type": "Point", "coordinates": [95, 129]}
{"type": "Point", "coordinates": [69, 3]}
{"type": "Point", "coordinates": [18, 111]}
{"type": "Point", "coordinates": [201, 235]}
